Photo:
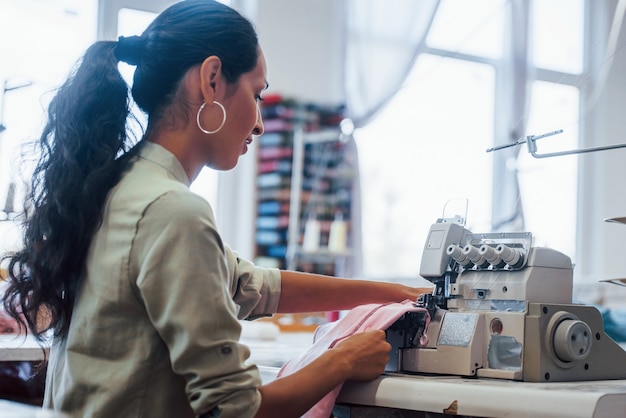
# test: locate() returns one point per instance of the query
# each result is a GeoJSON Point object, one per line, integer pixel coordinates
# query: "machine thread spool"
{"type": "Point", "coordinates": [489, 253]}
{"type": "Point", "coordinates": [510, 256]}
{"type": "Point", "coordinates": [473, 253]}
{"type": "Point", "coordinates": [456, 252]}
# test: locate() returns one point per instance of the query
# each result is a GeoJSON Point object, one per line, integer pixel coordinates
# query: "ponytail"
{"type": "Point", "coordinates": [80, 146]}
{"type": "Point", "coordinates": [85, 149]}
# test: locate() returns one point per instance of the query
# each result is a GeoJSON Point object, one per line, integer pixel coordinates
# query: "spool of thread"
{"type": "Point", "coordinates": [456, 252]}
{"type": "Point", "coordinates": [511, 256]}
{"type": "Point", "coordinates": [473, 253]}
{"type": "Point", "coordinates": [489, 253]}
{"type": "Point", "coordinates": [338, 235]}
{"type": "Point", "coordinates": [311, 240]}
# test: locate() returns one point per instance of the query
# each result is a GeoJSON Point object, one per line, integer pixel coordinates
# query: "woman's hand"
{"type": "Point", "coordinates": [365, 353]}
{"type": "Point", "coordinates": [361, 356]}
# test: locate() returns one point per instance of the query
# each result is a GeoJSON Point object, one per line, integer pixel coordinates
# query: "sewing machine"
{"type": "Point", "coordinates": [503, 309]}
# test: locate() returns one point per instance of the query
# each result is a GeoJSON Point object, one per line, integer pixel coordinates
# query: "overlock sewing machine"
{"type": "Point", "coordinates": [503, 309]}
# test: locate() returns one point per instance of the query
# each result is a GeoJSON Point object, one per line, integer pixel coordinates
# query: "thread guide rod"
{"type": "Point", "coordinates": [530, 141]}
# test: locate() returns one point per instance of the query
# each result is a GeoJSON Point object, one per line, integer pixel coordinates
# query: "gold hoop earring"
{"type": "Point", "coordinates": [219, 127]}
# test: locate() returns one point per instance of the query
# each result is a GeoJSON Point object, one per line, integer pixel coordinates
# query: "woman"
{"type": "Point", "coordinates": [125, 265]}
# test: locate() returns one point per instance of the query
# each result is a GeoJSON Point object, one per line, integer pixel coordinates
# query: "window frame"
{"type": "Point", "coordinates": [503, 177]}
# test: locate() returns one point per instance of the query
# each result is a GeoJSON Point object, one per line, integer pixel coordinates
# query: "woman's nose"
{"type": "Point", "coordinates": [258, 127]}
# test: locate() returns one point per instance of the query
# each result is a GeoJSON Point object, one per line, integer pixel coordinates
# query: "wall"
{"type": "Point", "coordinates": [303, 47]}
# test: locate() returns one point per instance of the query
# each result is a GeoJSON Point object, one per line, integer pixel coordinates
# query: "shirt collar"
{"type": "Point", "coordinates": [162, 157]}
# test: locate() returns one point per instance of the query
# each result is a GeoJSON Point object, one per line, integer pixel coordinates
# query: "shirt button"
{"type": "Point", "coordinates": [227, 349]}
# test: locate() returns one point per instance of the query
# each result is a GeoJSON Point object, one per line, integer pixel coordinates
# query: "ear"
{"type": "Point", "coordinates": [211, 79]}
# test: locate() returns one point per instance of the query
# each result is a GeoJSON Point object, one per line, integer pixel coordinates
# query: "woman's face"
{"type": "Point", "coordinates": [243, 117]}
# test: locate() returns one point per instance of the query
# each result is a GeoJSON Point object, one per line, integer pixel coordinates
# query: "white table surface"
{"type": "Point", "coordinates": [20, 348]}
{"type": "Point", "coordinates": [485, 397]}
{"type": "Point", "coordinates": [480, 397]}
{"type": "Point", "coordinates": [491, 397]}
{"type": "Point", "coordinates": [17, 410]}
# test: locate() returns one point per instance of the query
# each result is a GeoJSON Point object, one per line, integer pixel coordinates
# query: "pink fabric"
{"type": "Point", "coordinates": [359, 319]}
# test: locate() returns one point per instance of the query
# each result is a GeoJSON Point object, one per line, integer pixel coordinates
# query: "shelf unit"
{"type": "Point", "coordinates": [297, 254]}
{"type": "Point", "coordinates": [303, 173]}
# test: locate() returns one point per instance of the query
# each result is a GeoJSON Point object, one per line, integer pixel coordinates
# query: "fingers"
{"type": "Point", "coordinates": [367, 353]}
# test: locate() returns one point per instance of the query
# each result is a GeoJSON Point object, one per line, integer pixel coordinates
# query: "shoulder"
{"type": "Point", "coordinates": [180, 205]}
{"type": "Point", "coordinates": [148, 192]}
{"type": "Point", "coordinates": [180, 221]}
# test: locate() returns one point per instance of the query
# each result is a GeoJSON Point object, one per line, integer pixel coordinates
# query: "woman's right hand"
{"type": "Point", "coordinates": [361, 356]}
{"type": "Point", "coordinates": [365, 354]}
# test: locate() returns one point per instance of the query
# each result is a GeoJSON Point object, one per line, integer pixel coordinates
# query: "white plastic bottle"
{"type": "Point", "coordinates": [312, 229]}
{"type": "Point", "coordinates": [338, 236]}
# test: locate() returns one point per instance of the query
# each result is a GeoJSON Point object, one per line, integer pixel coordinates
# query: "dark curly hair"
{"type": "Point", "coordinates": [85, 147]}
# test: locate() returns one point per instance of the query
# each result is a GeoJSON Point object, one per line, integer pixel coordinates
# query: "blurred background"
{"type": "Point", "coordinates": [429, 87]}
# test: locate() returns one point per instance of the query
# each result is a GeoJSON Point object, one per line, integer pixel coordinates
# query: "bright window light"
{"type": "Point", "coordinates": [549, 185]}
{"type": "Point", "coordinates": [469, 27]}
{"type": "Point", "coordinates": [557, 35]}
{"type": "Point", "coordinates": [41, 41]}
{"type": "Point", "coordinates": [415, 158]}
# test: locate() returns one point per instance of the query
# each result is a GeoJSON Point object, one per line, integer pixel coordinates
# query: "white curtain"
{"type": "Point", "coordinates": [383, 40]}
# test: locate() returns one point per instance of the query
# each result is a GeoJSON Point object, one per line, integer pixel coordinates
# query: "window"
{"type": "Point", "coordinates": [548, 186]}
{"type": "Point", "coordinates": [41, 42]}
{"type": "Point", "coordinates": [428, 146]}
{"type": "Point", "coordinates": [425, 159]}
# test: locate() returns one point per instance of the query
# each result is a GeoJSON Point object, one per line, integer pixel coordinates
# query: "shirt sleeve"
{"type": "Point", "coordinates": [184, 279]}
{"type": "Point", "coordinates": [256, 290]}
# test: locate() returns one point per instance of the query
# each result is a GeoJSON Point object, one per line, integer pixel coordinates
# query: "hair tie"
{"type": "Point", "coordinates": [129, 49]}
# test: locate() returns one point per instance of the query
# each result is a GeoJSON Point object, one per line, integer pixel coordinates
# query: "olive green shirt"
{"type": "Point", "coordinates": [155, 330]}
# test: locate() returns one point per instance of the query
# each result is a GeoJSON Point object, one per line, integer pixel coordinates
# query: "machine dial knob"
{"type": "Point", "coordinates": [572, 340]}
